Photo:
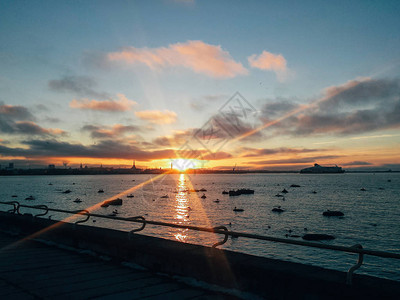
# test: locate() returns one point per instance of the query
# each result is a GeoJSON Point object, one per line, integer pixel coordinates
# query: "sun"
{"type": "Point", "coordinates": [182, 164]}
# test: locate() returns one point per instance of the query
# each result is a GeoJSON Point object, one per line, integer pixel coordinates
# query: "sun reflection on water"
{"type": "Point", "coordinates": [182, 207]}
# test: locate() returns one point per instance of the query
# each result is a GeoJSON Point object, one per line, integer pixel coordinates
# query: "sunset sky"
{"type": "Point", "coordinates": [275, 85]}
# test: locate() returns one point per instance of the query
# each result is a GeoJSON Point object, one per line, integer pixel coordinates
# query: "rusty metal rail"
{"type": "Point", "coordinates": [357, 249]}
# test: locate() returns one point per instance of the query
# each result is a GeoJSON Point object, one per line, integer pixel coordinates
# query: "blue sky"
{"type": "Point", "coordinates": [163, 58]}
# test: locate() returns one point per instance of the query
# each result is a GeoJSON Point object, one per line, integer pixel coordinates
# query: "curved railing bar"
{"type": "Point", "coordinates": [225, 237]}
{"type": "Point", "coordinates": [137, 229]}
{"type": "Point", "coordinates": [349, 278]}
{"type": "Point", "coordinates": [42, 214]}
{"type": "Point", "coordinates": [15, 205]}
{"type": "Point", "coordinates": [82, 212]}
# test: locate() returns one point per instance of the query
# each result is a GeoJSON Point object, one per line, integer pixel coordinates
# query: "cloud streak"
{"type": "Point", "coordinates": [157, 116]}
{"type": "Point", "coordinates": [122, 103]}
{"type": "Point", "coordinates": [80, 85]}
{"type": "Point", "coordinates": [115, 131]}
{"type": "Point", "coordinates": [252, 152]}
{"type": "Point", "coordinates": [197, 56]}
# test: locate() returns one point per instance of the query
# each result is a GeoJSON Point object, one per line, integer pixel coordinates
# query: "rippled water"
{"type": "Point", "coordinates": [371, 217]}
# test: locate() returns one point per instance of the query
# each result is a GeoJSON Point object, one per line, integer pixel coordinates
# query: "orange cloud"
{"type": "Point", "coordinates": [157, 116]}
{"type": "Point", "coordinates": [270, 62]}
{"type": "Point", "coordinates": [195, 55]}
{"type": "Point", "coordinates": [121, 104]}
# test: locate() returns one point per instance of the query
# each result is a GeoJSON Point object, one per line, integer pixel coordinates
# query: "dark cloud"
{"type": "Point", "coordinates": [277, 108]}
{"type": "Point", "coordinates": [162, 141]}
{"type": "Point", "coordinates": [15, 112]}
{"type": "Point", "coordinates": [177, 139]}
{"type": "Point", "coordinates": [355, 107]}
{"type": "Point", "coordinates": [228, 126]}
{"type": "Point", "coordinates": [357, 163]}
{"type": "Point", "coordinates": [104, 149]}
{"type": "Point", "coordinates": [217, 156]}
{"type": "Point", "coordinates": [18, 120]}
{"type": "Point", "coordinates": [105, 132]}
{"type": "Point", "coordinates": [294, 160]}
{"type": "Point", "coordinates": [80, 85]}
{"type": "Point", "coordinates": [251, 152]}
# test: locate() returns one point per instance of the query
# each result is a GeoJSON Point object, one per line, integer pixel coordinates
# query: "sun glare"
{"type": "Point", "coordinates": [182, 164]}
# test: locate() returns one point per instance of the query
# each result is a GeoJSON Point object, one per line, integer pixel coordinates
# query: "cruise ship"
{"type": "Point", "coordinates": [317, 169]}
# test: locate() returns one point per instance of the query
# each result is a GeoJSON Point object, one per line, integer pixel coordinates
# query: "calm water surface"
{"type": "Point", "coordinates": [372, 217]}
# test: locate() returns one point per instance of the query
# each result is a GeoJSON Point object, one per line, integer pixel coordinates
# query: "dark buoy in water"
{"type": "Point", "coordinates": [332, 213]}
{"type": "Point", "coordinates": [278, 209]}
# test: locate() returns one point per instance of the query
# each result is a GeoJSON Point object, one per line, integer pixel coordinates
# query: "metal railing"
{"type": "Point", "coordinates": [357, 249]}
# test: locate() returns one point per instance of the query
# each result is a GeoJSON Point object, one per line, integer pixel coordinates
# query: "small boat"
{"type": "Point", "coordinates": [278, 195]}
{"type": "Point", "coordinates": [67, 192]}
{"type": "Point", "coordinates": [117, 201]}
{"type": "Point", "coordinates": [30, 198]}
{"type": "Point", "coordinates": [216, 201]}
{"type": "Point", "coordinates": [165, 196]}
{"type": "Point", "coordinates": [314, 192]}
{"type": "Point", "coordinates": [332, 213]}
{"type": "Point", "coordinates": [241, 192]}
{"type": "Point", "coordinates": [238, 209]}
{"type": "Point", "coordinates": [284, 191]}
{"type": "Point", "coordinates": [50, 183]}
{"type": "Point", "coordinates": [14, 196]}
{"type": "Point", "coordinates": [363, 189]}
{"type": "Point", "coordinates": [115, 212]}
{"type": "Point", "coordinates": [130, 196]}
{"type": "Point", "coordinates": [204, 196]}
{"type": "Point", "coordinates": [278, 209]}
{"type": "Point", "coordinates": [295, 185]}
{"type": "Point", "coordinates": [225, 192]}
{"type": "Point", "coordinates": [77, 200]}
{"type": "Point", "coordinates": [203, 190]}
{"type": "Point", "coordinates": [100, 191]}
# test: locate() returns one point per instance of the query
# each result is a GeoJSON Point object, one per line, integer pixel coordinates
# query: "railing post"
{"type": "Point", "coordinates": [349, 279]}
{"type": "Point", "coordinates": [130, 234]}
{"type": "Point", "coordinates": [225, 238]}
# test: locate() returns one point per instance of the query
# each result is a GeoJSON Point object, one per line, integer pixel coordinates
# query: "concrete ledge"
{"type": "Point", "coordinates": [265, 277]}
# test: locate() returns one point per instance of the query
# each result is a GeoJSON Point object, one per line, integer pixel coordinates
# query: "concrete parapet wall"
{"type": "Point", "coordinates": [269, 278]}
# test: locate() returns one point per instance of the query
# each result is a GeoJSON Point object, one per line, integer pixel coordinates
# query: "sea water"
{"type": "Point", "coordinates": [371, 216]}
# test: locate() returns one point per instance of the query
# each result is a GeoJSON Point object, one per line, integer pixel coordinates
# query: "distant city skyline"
{"type": "Point", "coordinates": [200, 84]}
